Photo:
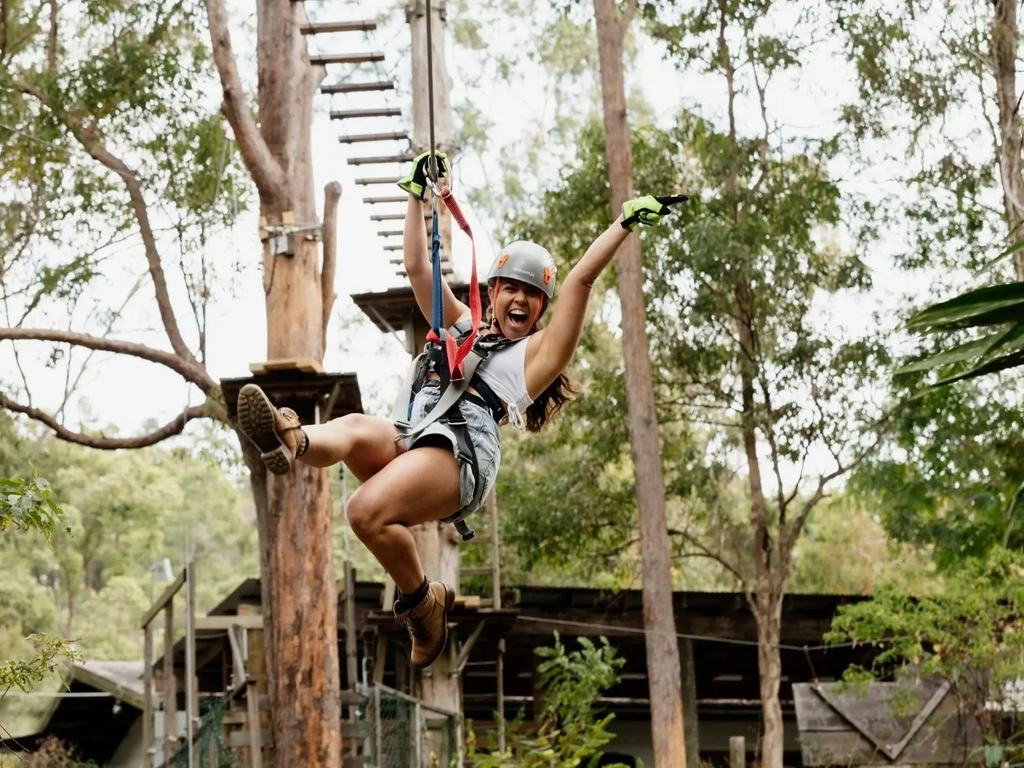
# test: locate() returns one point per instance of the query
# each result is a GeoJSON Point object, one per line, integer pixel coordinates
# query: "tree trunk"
{"type": "Point", "coordinates": [1004, 54]}
{"type": "Point", "coordinates": [768, 615]}
{"type": "Point", "coordinates": [293, 511]}
{"type": "Point", "coordinates": [663, 670]}
{"type": "Point", "coordinates": [765, 602]}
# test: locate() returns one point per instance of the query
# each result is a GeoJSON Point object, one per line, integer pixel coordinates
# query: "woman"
{"type": "Point", "coordinates": [440, 480]}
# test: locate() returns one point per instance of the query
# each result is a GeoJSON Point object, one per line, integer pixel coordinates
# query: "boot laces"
{"type": "Point", "coordinates": [417, 626]}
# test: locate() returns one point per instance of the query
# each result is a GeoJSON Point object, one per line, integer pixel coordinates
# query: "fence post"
{"type": "Point", "coordinates": [737, 752]}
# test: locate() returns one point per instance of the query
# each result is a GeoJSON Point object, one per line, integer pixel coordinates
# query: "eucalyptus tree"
{"type": "Point", "coordinates": [740, 338]}
{"type": "Point", "coordinates": [117, 171]}
{"type": "Point", "coordinates": [938, 104]}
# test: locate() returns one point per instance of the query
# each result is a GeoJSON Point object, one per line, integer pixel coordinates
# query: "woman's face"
{"type": "Point", "coordinates": [515, 307]}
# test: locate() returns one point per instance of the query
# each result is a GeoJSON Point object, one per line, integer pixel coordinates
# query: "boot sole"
{"type": "Point", "coordinates": [449, 603]}
{"type": "Point", "coordinates": [256, 420]}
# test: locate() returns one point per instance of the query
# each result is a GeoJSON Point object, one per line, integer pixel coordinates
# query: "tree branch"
{"type": "Point", "coordinates": [707, 552]}
{"type": "Point", "coordinates": [99, 152]}
{"type": "Point", "coordinates": [51, 41]}
{"type": "Point", "coordinates": [94, 146]}
{"type": "Point", "coordinates": [264, 169]}
{"type": "Point", "coordinates": [627, 15]}
{"type": "Point", "coordinates": [789, 537]}
{"type": "Point", "coordinates": [170, 429]}
{"type": "Point", "coordinates": [332, 194]}
{"type": "Point", "coordinates": [188, 369]}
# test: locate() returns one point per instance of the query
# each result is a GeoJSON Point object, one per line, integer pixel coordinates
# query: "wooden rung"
{"type": "Point", "coordinates": [394, 248]}
{"type": "Point", "coordinates": [390, 232]}
{"type": "Point", "coordinates": [380, 85]}
{"type": "Point", "coordinates": [390, 199]}
{"type": "Point", "coordinates": [387, 216]}
{"type": "Point", "coordinates": [388, 136]}
{"type": "Point", "coordinates": [326, 27]}
{"type": "Point", "coordinates": [351, 698]}
{"type": "Point", "coordinates": [470, 602]}
{"type": "Point", "coordinates": [381, 159]}
{"type": "Point", "coordinates": [304, 364]}
{"type": "Point", "coordinates": [347, 114]}
{"type": "Point", "coordinates": [371, 180]}
{"type": "Point", "coordinates": [476, 570]}
{"type": "Point", "coordinates": [356, 730]}
{"type": "Point", "coordinates": [345, 58]}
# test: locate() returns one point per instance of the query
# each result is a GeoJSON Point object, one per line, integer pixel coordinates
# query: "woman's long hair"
{"type": "Point", "coordinates": [550, 401]}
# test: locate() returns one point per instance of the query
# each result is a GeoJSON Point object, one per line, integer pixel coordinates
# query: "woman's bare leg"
{"type": "Point", "coordinates": [418, 486]}
{"type": "Point", "coordinates": [365, 443]}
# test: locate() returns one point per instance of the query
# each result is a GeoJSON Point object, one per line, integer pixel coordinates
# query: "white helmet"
{"type": "Point", "coordinates": [527, 262]}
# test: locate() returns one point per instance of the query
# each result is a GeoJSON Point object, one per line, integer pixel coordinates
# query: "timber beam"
{"type": "Point", "coordinates": [389, 199]}
{"type": "Point", "coordinates": [381, 85]}
{"type": "Point", "coordinates": [345, 58]}
{"type": "Point", "coordinates": [381, 159]}
{"type": "Point", "coordinates": [348, 114]}
{"type": "Point", "coordinates": [371, 180]}
{"type": "Point", "coordinates": [326, 27]}
{"type": "Point", "coordinates": [387, 136]}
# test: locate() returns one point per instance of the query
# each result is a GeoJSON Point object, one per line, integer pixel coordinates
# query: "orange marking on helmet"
{"type": "Point", "coordinates": [502, 259]}
{"type": "Point", "coordinates": [547, 275]}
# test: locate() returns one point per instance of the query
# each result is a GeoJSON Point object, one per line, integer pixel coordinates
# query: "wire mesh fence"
{"type": "Point", "coordinates": [402, 732]}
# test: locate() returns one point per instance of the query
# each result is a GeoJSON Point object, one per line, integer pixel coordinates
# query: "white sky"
{"type": "Point", "coordinates": [128, 392]}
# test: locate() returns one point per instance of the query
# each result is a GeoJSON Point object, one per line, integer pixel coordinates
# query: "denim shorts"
{"type": "Point", "coordinates": [483, 435]}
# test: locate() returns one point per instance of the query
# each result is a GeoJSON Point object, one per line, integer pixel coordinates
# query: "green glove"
{"type": "Point", "coordinates": [415, 183]}
{"type": "Point", "coordinates": [647, 210]}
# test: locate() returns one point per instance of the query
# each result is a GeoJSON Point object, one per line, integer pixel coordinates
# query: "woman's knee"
{"type": "Point", "coordinates": [363, 513]}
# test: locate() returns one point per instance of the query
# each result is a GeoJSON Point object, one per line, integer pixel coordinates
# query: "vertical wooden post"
{"type": "Point", "coordinates": [351, 663]}
{"type": "Point", "coordinates": [191, 675]}
{"type": "Point", "coordinates": [147, 698]}
{"type": "Point", "coordinates": [170, 684]}
{"type": "Point", "coordinates": [691, 727]}
{"type": "Point", "coordinates": [737, 752]}
{"type": "Point", "coordinates": [500, 675]}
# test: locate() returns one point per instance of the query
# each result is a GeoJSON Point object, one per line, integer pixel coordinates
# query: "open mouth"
{"type": "Point", "coordinates": [518, 320]}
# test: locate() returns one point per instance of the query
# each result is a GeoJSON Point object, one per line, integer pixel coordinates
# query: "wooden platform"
{"type": "Point", "coordinates": [314, 395]}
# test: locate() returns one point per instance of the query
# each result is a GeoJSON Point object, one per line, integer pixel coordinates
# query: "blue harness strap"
{"type": "Point", "coordinates": [437, 304]}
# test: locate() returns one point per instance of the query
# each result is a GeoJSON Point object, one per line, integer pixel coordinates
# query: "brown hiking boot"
{"type": "Point", "coordinates": [428, 624]}
{"type": "Point", "coordinates": [276, 432]}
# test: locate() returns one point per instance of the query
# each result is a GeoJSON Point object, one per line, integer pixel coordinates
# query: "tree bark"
{"type": "Point", "coordinates": [663, 669]}
{"type": "Point", "coordinates": [768, 616]}
{"type": "Point", "coordinates": [293, 511]}
{"type": "Point", "coordinates": [1004, 50]}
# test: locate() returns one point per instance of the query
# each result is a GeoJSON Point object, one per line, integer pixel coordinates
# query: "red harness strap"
{"type": "Point", "coordinates": [455, 352]}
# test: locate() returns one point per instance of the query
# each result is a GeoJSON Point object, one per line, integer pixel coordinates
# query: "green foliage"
{"type": "Point", "coordinates": [103, 82]}
{"type": "Point", "coordinates": [51, 653]}
{"type": "Point", "coordinates": [998, 307]}
{"type": "Point", "coordinates": [761, 234]}
{"type": "Point", "coordinates": [919, 67]}
{"type": "Point", "coordinates": [970, 631]}
{"type": "Point", "coordinates": [29, 505]}
{"type": "Point", "coordinates": [128, 510]}
{"type": "Point", "coordinates": [571, 730]}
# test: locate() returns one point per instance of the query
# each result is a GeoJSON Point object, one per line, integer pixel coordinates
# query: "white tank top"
{"type": "Point", "coordinates": [504, 371]}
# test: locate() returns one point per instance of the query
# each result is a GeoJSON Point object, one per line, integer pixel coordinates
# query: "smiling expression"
{"type": "Point", "coordinates": [515, 307]}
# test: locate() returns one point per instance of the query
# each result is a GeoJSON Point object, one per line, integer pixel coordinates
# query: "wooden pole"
{"type": "Point", "coordinates": [691, 729]}
{"type": "Point", "coordinates": [170, 693]}
{"type": "Point", "coordinates": [737, 752]}
{"type": "Point", "coordinates": [351, 663]}
{"type": "Point", "coordinates": [147, 698]}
